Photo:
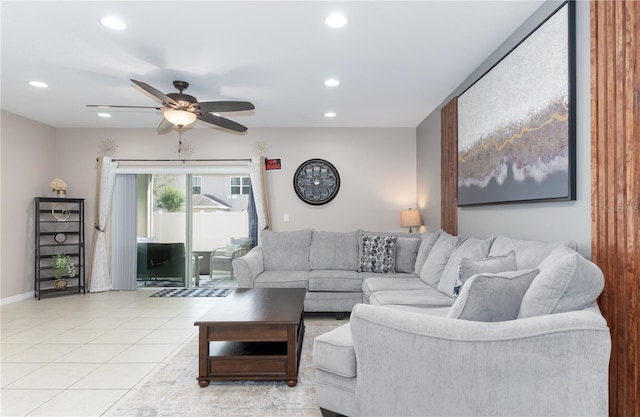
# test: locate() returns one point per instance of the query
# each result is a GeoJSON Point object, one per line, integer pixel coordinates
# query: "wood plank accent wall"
{"type": "Point", "coordinates": [449, 167]}
{"type": "Point", "coordinates": [615, 189]}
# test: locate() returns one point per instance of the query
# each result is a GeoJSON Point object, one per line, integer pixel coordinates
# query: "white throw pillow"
{"type": "Point", "coordinates": [492, 265]}
{"type": "Point", "coordinates": [492, 297]}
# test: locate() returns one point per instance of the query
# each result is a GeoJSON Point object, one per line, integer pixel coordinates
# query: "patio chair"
{"type": "Point", "coordinates": [221, 258]}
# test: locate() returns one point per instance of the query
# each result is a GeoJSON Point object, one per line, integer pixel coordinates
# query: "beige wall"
{"type": "Point", "coordinates": [377, 169]}
{"type": "Point", "coordinates": [376, 166]}
{"type": "Point", "coordinates": [428, 170]}
{"type": "Point", "coordinates": [28, 165]}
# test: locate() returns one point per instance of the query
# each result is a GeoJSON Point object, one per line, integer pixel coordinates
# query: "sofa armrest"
{"type": "Point", "coordinates": [414, 364]}
{"type": "Point", "coordinates": [248, 267]}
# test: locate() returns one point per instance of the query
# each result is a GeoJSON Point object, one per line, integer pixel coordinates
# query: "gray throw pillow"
{"type": "Point", "coordinates": [567, 282]}
{"type": "Point", "coordinates": [406, 252]}
{"type": "Point", "coordinates": [492, 297]}
{"type": "Point", "coordinates": [492, 265]}
{"type": "Point", "coordinates": [428, 240]}
{"type": "Point", "coordinates": [471, 248]}
{"type": "Point", "coordinates": [437, 259]}
{"type": "Point", "coordinates": [529, 253]}
{"type": "Point", "coordinates": [378, 254]}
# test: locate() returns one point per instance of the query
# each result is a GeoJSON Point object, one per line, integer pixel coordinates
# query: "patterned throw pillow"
{"type": "Point", "coordinates": [378, 254]}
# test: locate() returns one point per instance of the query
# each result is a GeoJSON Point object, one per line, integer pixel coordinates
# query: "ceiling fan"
{"type": "Point", "coordinates": [181, 109]}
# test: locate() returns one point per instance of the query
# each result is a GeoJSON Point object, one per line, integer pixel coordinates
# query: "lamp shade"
{"type": "Point", "coordinates": [180, 117]}
{"type": "Point", "coordinates": [410, 218]}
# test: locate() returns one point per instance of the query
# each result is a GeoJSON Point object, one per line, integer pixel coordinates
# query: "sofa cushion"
{"type": "Point", "coordinates": [282, 279]}
{"type": "Point", "coordinates": [334, 280]}
{"type": "Point", "coordinates": [492, 297]}
{"type": "Point", "coordinates": [437, 259]}
{"type": "Point", "coordinates": [333, 352]}
{"type": "Point", "coordinates": [286, 251]}
{"type": "Point", "coordinates": [374, 284]}
{"type": "Point", "coordinates": [428, 297]}
{"type": "Point", "coordinates": [567, 282]}
{"type": "Point", "coordinates": [406, 252]}
{"type": "Point", "coordinates": [471, 248]}
{"type": "Point", "coordinates": [431, 311]}
{"type": "Point", "coordinates": [492, 265]}
{"type": "Point", "coordinates": [428, 239]}
{"type": "Point", "coordinates": [332, 250]}
{"type": "Point", "coordinates": [378, 253]}
{"type": "Point", "coordinates": [529, 253]}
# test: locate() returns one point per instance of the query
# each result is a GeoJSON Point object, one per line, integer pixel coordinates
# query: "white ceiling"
{"type": "Point", "coordinates": [396, 60]}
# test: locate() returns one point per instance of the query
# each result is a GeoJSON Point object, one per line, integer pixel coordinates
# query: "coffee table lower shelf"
{"type": "Point", "coordinates": [251, 361]}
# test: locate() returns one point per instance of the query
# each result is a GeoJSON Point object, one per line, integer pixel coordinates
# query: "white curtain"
{"type": "Point", "coordinates": [257, 172]}
{"type": "Point", "coordinates": [99, 279]}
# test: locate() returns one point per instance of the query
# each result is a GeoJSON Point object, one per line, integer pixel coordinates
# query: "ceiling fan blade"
{"type": "Point", "coordinates": [222, 122]}
{"type": "Point", "coordinates": [156, 93]}
{"type": "Point", "coordinates": [121, 107]}
{"type": "Point", "coordinates": [165, 126]}
{"type": "Point", "coordinates": [223, 106]}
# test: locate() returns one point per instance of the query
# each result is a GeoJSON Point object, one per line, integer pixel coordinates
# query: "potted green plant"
{"type": "Point", "coordinates": [62, 265]}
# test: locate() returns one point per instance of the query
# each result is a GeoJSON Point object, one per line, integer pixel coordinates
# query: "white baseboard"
{"type": "Point", "coordinates": [16, 298]}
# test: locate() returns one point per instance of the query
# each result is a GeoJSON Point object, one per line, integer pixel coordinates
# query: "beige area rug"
{"type": "Point", "coordinates": [174, 391]}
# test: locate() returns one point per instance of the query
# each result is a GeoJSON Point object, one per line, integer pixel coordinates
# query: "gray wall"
{"type": "Point", "coordinates": [542, 221]}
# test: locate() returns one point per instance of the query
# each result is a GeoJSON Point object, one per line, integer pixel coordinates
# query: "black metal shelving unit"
{"type": "Point", "coordinates": [59, 228]}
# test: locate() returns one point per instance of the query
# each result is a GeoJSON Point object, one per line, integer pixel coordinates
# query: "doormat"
{"type": "Point", "coordinates": [193, 292]}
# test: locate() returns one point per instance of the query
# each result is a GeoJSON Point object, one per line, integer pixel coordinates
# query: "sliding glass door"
{"type": "Point", "coordinates": [189, 226]}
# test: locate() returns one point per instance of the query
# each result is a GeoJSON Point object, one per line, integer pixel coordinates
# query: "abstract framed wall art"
{"type": "Point", "coordinates": [516, 123]}
{"type": "Point", "coordinates": [316, 182]}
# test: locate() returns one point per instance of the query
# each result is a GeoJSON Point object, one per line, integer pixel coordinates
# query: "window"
{"type": "Point", "coordinates": [240, 185]}
{"type": "Point", "coordinates": [196, 184]}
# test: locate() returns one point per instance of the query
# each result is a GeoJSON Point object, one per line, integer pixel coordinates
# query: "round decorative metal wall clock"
{"type": "Point", "coordinates": [316, 182]}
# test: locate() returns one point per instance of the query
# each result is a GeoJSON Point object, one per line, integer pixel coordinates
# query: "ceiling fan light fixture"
{"type": "Point", "coordinates": [332, 82]}
{"type": "Point", "coordinates": [336, 21]}
{"type": "Point", "coordinates": [38, 84]}
{"type": "Point", "coordinates": [180, 117]}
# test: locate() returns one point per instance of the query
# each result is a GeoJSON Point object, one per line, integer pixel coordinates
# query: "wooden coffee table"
{"type": "Point", "coordinates": [254, 334]}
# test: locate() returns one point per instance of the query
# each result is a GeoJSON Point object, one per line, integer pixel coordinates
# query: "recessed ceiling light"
{"type": "Point", "coordinates": [38, 84]}
{"type": "Point", "coordinates": [332, 82]}
{"type": "Point", "coordinates": [105, 115]}
{"type": "Point", "coordinates": [336, 21]}
{"type": "Point", "coordinates": [114, 23]}
{"type": "Point", "coordinates": [329, 114]}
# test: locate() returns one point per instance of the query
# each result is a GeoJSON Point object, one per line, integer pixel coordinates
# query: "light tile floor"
{"type": "Point", "coordinates": [79, 355]}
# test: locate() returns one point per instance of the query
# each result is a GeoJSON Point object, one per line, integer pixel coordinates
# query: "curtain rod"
{"type": "Point", "coordinates": [179, 160]}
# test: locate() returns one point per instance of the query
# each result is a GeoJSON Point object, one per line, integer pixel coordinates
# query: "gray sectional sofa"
{"type": "Point", "coordinates": [445, 325]}
{"type": "Point", "coordinates": [327, 264]}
